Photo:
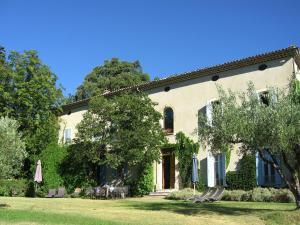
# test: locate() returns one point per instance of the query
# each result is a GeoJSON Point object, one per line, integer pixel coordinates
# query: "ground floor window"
{"type": "Point", "coordinates": [266, 175]}
{"type": "Point", "coordinates": [216, 169]}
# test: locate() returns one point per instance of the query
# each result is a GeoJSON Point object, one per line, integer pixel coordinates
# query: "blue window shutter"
{"type": "Point", "coordinates": [278, 180]}
{"type": "Point", "coordinates": [223, 168]}
{"type": "Point", "coordinates": [259, 170]}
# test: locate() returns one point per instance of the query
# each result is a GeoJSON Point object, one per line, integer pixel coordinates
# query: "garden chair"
{"type": "Point", "coordinates": [60, 193]}
{"type": "Point", "coordinates": [51, 193]}
{"type": "Point", "coordinates": [97, 192]}
{"type": "Point", "coordinates": [206, 195]}
{"type": "Point", "coordinates": [217, 196]}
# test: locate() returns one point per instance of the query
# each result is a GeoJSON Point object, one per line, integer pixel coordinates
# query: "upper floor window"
{"type": "Point", "coordinates": [67, 136]}
{"type": "Point", "coordinates": [168, 120]}
{"type": "Point", "coordinates": [210, 108]}
{"type": "Point", "coordinates": [264, 98]}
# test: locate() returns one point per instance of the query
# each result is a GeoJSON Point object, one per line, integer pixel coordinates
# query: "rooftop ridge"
{"type": "Point", "coordinates": [291, 51]}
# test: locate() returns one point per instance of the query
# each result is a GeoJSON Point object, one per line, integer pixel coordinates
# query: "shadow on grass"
{"type": "Point", "coordinates": [189, 208]}
{"type": "Point", "coordinates": [4, 205]}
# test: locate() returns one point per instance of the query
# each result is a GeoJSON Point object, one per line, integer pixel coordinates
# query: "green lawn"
{"type": "Point", "coordinates": [142, 211]}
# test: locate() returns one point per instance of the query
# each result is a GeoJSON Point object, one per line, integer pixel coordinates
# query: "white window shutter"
{"type": "Point", "coordinates": [209, 112]}
{"type": "Point", "coordinates": [210, 169]}
{"type": "Point", "coordinates": [273, 93]}
{"type": "Point", "coordinates": [67, 135]}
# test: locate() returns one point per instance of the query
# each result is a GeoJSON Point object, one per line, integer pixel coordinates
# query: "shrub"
{"type": "Point", "coordinates": [282, 195]}
{"type": "Point", "coordinates": [51, 159]}
{"type": "Point", "coordinates": [200, 186]}
{"type": "Point", "coordinates": [183, 194]}
{"type": "Point", "coordinates": [144, 184]}
{"type": "Point", "coordinates": [13, 187]}
{"type": "Point", "coordinates": [235, 195]}
{"type": "Point", "coordinates": [76, 170]}
{"type": "Point", "coordinates": [259, 195]}
{"type": "Point", "coordinates": [245, 177]}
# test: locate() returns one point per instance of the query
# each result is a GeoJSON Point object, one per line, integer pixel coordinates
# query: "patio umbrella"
{"type": "Point", "coordinates": [38, 173]}
{"type": "Point", "coordinates": [195, 177]}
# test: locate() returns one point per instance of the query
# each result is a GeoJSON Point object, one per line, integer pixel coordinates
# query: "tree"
{"type": "Point", "coordinates": [12, 148]}
{"type": "Point", "coordinates": [121, 131]}
{"type": "Point", "coordinates": [110, 76]}
{"type": "Point", "coordinates": [28, 93]}
{"type": "Point", "coordinates": [270, 126]}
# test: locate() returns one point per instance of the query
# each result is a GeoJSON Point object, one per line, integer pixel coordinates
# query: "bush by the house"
{"type": "Point", "coordinates": [144, 184]}
{"type": "Point", "coordinates": [200, 186]}
{"type": "Point", "coordinates": [245, 177]}
{"type": "Point", "coordinates": [13, 187]}
{"type": "Point", "coordinates": [51, 159]}
{"type": "Point", "coordinates": [183, 194]}
{"type": "Point", "coordinates": [259, 195]}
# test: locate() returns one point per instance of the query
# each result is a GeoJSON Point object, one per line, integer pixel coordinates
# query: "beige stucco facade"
{"type": "Point", "coordinates": [189, 98]}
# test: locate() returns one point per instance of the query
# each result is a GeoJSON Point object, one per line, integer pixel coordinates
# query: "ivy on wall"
{"type": "Point", "coordinates": [184, 150]}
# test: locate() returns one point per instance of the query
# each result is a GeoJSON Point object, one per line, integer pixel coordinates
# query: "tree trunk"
{"type": "Point", "coordinates": [293, 184]}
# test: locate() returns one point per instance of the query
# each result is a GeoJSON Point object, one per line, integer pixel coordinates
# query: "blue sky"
{"type": "Point", "coordinates": [167, 37]}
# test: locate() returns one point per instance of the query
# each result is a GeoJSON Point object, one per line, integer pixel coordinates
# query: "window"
{"type": "Point", "coordinates": [210, 107]}
{"type": "Point", "coordinates": [168, 120]}
{"type": "Point", "coordinates": [215, 78]}
{"type": "Point", "coordinates": [269, 174]}
{"type": "Point", "coordinates": [262, 67]}
{"type": "Point", "coordinates": [167, 89]}
{"type": "Point", "coordinates": [67, 136]}
{"type": "Point", "coordinates": [219, 169]}
{"type": "Point", "coordinates": [264, 98]}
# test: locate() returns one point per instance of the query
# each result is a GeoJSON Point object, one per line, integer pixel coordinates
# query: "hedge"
{"type": "Point", "coordinates": [259, 195]}
{"type": "Point", "coordinates": [245, 177]}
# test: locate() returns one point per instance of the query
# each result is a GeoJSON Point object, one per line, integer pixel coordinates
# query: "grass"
{"type": "Point", "coordinates": [142, 211]}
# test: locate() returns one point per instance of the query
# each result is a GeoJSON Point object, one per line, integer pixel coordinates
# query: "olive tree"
{"type": "Point", "coordinates": [12, 148]}
{"type": "Point", "coordinates": [270, 124]}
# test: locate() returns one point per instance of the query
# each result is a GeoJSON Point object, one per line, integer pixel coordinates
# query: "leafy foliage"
{"type": "Point", "coordinates": [259, 195]}
{"type": "Point", "coordinates": [12, 148]}
{"type": "Point", "coordinates": [77, 168]}
{"type": "Point", "coordinates": [28, 93]}
{"type": "Point", "coordinates": [121, 130]}
{"type": "Point", "coordinates": [274, 127]}
{"type": "Point", "coordinates": [183, 194]}
{"type": "Point", "coordinates": [245, 177]}
{"type": "Point", "coordinates": [143, 185]}
{"type": "Point", "coordinates": [51, 159]}
{"type": "Point", "coordinates": [13, 187]}
{"type": "Point", "coordinates": [184, 150]}
{"type": "Point", "coordinates": [110, 76]}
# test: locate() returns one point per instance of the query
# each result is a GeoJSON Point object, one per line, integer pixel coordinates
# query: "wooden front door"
{"type": "Point", "coordinates": [168, 165]}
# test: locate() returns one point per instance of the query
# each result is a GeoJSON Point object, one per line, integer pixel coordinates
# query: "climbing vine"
{"type": "Point", "coordinates": [184, 150]}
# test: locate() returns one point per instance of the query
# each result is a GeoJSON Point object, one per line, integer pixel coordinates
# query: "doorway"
{"type": "Point", "coordinates": [168, 169]}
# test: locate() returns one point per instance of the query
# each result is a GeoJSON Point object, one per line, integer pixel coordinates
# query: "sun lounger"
{"type": "Point", "coordinates": [205, 197]}
{"type": "Point", "coordinates": [51, 193]}
{"type": "Point", "coordinates": [217, 196]}
{"type": "Point", "coordinates": [60, 193]}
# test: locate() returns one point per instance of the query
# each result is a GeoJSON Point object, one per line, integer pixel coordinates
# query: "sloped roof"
{"type": "Point", "coordinates": [291, 51]}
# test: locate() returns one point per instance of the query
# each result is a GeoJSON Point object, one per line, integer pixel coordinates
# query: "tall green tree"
{"type": "Point", "coordinates": [110, 76]}
{"type": "Point", "coordinates": [271, 126]}
{"type": "Point", "coordinates": [12, 148]}
{"type": "Point", "coordinates": [121, 131]}
{"type": "Point", "coordinates": [29, 94]}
